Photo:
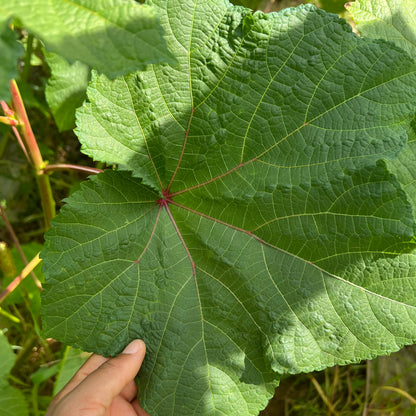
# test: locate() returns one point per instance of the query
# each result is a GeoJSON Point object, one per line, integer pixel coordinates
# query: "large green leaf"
{"type": "Point", "coordinates": [253, 226]}
{"type": "Point", "coordinates": [113, 36]}
{"type": "Point", "coordinates": [394, 21]}
{"type": "Point", "coordinates": [7, 359]}
{"type": "Point", "coordinates": [70, 364]}
{"type": "Point", "coordinates": [66, 89]}
{"type": "Point", "coordinates": [10, 51]}
{"type": "Point", "coordinates": [12, 401]}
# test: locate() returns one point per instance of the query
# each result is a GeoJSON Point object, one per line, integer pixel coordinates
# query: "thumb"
{"type": "Point", "coordinates": [108, 380]}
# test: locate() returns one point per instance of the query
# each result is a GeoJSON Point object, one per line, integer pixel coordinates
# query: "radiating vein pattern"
{"type": "Point", "coordinates": [254, 223]}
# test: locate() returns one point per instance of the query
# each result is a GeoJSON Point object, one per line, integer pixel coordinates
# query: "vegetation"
{"type": "Point", "coordinates": [41, 164]}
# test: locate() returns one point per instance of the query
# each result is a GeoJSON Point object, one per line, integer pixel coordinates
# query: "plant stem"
{"type": "Point", "coordinates": [401, 392]}
{"type": "Point", "coordinates": [322, 394]}
{"type": "Point", "coordinates": [20, 141]}
{"type": "Point", "coordinates": [25, 272]}
{"type": "Point", "coordinates": [28, 57]}
{"type": "Point", "coordinates": [46, 197]}
{"type": "Point", "coordinates": [30, 342]}
{"type": "Point", "coordinates": [368, 376]}
{"type": "Point", "coordinates": [28, 136]}
{"type": "Point", "coordinates": [35, 404]}
{"type": "Point", "coordinates": [9, 316]}
{"type": "Point", "coordinates": [17, 245]}
{"type": "Point", "coordinates": [64, 166]}
{"type": "Point", "coordinates": [31, 149]}
{"type": "Point", "coordinates": [17, 313]}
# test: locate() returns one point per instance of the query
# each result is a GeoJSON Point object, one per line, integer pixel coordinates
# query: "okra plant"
{"type": "Point", "coordinates": [257, 216]}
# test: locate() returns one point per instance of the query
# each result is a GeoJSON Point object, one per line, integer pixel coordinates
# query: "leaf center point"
{"type": "Point", "coordinates": [166, 198]}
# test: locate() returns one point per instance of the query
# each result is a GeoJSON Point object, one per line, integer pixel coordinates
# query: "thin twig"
{"type": "Point", "coordinates": [64, 166]}
{"type": "Point", "coordinates": [368, 376]}
{"type": "Point", "coordinates": [27, 132]}
{"type": "Point", "coordinates": [9, 316]}
{"type": "Point", "coordinates": [401, 392]}
{"type": "Point", "coordinates": [25, 272]}
{"type": "Point", "coordinates": [22, 145]}
{"type": "Point", "coordinates": [322, 395]}
{"type": "Point", "coordinates": [28, 56]}
{"type": "Point", "coordinates": [32, 151]}
{"type": "Point", "coordinates": [334, 383]}
{"type": "Point", "coordinates": [18, 246]}
{"type": "Point", "coordinates": [11, 121]}
{"type": "Point", "coordinates": [6, 109]}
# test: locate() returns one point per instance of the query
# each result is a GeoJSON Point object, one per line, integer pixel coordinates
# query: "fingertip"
{"type": "Point", "coordinates": [118, 373]}
{"type": "Point", "coordinates": [134, 347]}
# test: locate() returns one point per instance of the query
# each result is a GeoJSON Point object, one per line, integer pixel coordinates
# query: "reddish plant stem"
{"type": "Point", "coordinates": [25, 272]}
{"type": "Point", "coordinates": [18, 246]}
{"type": "Point", "coordinates": [6, 109]}
{"type": "Point", "coordinates": [64, 166]}
{"type": "Point", "coordinates": [31, 149]}
{"type": "Point", "coordinates": [28, 136]}
{"type": "Point", "coordinates": [20, 141]}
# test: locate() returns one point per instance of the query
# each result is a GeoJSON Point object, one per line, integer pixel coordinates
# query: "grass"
{"type": "Point", "coordinates": [381, 387]}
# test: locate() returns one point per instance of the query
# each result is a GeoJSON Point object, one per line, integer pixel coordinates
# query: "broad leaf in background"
{"type": "Point", "coordinates": [71, 362]}
{"type": "Point", "coordinates": [387, 19]}
{"type": "Point", "coordinates": [393, 20]}
{"type": "Point", "coordinates": [12, 401]}
{"type": "Point", "coordinates": [113, 36]}
{"type": "Point", "coordinates": [66, 89]}
{"type": "Point", "coordinates": [255, 226]}
{"type": "Point", "coordinates": [10, 51]}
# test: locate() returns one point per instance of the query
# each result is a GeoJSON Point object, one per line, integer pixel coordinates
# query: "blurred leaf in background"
{"type": "Point", "coordinates": [11, 51]}
{"type": "Point", "coordinates": [66, 89]}
{"type": "Point", "coordinates": [12, 401]}
{"type": "Point", "coordinates": [72, 360]}
{"type": "Point", "coordinates": [105, 34]}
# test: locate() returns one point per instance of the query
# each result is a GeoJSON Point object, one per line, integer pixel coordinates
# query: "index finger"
{"type": "Point", "coordinates": [112, 377]}
{"type": "Point", "coordinates": [93, 362]}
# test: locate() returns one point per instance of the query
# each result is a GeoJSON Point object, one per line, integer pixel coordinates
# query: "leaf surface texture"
{"type": "Point", "coordinates": [253, 225]}
{"type": "Point", "coordinates": [113, 36]}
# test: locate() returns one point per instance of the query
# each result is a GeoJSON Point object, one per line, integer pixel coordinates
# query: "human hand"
{"type": "Point", "coordinates": [103, 386]}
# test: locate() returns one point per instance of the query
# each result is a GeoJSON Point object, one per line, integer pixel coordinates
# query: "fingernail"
{"type": "Point", "coordinates": [133, 347]}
